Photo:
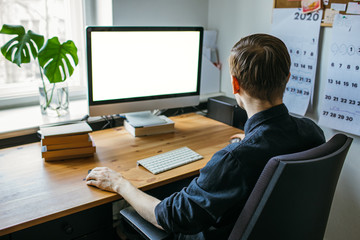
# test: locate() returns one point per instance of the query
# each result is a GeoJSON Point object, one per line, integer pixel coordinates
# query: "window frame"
{"type": "Point", "coordinates": [24, 94]}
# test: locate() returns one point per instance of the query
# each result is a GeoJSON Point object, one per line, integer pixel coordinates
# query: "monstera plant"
{"type": "Point", "coordinates": [56, 63]}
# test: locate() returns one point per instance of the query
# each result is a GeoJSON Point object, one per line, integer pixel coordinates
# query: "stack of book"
{"type": "Point", "coordinates": [66, 141]}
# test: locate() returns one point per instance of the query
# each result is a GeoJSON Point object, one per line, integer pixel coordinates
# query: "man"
{"type": "Point", "coordinates": [209, 206]}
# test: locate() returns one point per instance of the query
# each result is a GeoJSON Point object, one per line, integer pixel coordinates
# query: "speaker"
{"type": "Point", "coordinates": [226, 110]}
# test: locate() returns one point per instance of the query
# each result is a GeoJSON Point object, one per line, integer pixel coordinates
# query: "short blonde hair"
{"type": "Point", "coordinates": [261, 63]}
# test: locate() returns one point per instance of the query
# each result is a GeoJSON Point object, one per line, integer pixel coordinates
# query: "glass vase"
{"type": "Point", "coordinates": [54, 99]}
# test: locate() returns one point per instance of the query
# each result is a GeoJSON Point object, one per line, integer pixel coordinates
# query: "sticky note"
{"type": "Point", "coordinates": [338, 6]}
{"type": "Point", "coordinates": [353, 8]}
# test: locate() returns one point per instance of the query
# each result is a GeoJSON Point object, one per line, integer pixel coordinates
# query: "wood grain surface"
{"type": "Point", "coordinates": [33, 191]}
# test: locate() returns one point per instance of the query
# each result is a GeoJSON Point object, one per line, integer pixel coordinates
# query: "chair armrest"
{"type": "Point", "coordinates": [146, 229]}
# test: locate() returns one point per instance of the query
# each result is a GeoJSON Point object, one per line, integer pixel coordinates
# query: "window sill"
{"type": "Point", "coordinates": [26, 120]}
{"type": "Point", "coordinates": [22, 121]}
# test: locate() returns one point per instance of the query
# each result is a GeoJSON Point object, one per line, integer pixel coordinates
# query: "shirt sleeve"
{"type": "Point", "coordinates": [206, 199]}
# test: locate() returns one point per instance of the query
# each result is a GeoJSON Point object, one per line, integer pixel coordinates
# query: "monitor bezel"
{"type": "Point", "coordinates": [127, 101]}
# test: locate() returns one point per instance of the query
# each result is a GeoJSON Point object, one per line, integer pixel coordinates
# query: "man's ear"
{"type": "Point", "coordinates": [288, 77]}
{"type": "Point", "coordinates": [235, 85]}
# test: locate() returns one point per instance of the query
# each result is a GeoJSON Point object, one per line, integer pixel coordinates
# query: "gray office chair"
{"type": "Point", "coordinates": [291, 199]}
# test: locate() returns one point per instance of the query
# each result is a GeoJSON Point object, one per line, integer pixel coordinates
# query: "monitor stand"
{"type": "Point", "coordinates": [144, 119]}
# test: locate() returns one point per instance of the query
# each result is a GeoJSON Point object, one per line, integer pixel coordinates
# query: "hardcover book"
{"type": "Point", "coordinates": [69, 153]}
{"type": "Point", "coordinates": [63, 130]}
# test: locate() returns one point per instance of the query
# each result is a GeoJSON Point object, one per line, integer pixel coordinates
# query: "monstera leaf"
{"type": "Point", "coordinates": [54, 58]}
{"type": "Point", "coordinates": [18, 49]}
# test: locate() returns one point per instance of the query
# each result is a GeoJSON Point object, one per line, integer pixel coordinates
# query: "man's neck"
{"type": "Point", "coordinates": [254, 106]}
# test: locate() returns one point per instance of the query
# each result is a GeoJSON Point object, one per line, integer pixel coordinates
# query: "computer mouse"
{"type": "Point", "coordinates": [84, 179]}
{"type": "Point", "coordinates": [235, 140]}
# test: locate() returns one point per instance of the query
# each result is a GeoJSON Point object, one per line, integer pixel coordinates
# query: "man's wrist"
{"type": "Point", "coordinates": [120, 186]}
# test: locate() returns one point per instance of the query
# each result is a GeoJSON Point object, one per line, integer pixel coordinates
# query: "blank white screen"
{"type": "Point", "coordinates": [140, 64]}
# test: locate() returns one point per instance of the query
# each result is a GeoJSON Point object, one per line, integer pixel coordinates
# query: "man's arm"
{"type": "Point", "coordinates": [109, 180]}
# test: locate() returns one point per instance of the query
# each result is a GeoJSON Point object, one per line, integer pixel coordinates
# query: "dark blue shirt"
{"type": "Point", "coordinates": [216, 197]}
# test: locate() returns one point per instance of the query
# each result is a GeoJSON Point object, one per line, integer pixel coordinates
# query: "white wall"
{"type": "Point", "coordinates": [235, 19]}
{"type": "Point", "coordinates": [160, 12]}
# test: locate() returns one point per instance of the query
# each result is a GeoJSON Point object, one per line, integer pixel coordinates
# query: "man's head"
{"type": "Point", "coordinates": [261, 65]}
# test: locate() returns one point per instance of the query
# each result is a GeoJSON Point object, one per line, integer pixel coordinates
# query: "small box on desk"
{"type": "Point", "coordinates": [167, 127]}
{"type": "Point", "coordinates": [226, 110]}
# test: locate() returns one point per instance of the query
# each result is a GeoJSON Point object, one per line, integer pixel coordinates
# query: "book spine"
{"type": "Point", "coordinates": [68, 152]}
{"type": "Point", "coordinates": [65, 139]}
{"type": "Point", "coordinates": [68, 145]}
{"type": "Point", "coordinates": [49, 159]}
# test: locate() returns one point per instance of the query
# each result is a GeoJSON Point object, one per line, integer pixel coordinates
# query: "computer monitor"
{"type": "Point", "coordinates": [133, 69]}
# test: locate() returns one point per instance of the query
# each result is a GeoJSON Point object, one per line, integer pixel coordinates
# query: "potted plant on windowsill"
{"type": "Point", "coordinates": [56, 63]}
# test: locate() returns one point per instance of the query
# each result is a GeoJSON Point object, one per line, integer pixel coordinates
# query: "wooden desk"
{"type": "Point", "coordinates": [33, 191]}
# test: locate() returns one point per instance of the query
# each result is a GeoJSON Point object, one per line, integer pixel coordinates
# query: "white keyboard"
{"type": "Point", "coordinates": [169, 160]}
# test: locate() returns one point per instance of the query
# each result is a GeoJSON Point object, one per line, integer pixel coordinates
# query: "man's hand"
{"type": "Point", "coordinates": [109, 180]}
{"type": "Point", "coordinates": [104, 178]}
{"type": "Point", "coordinates": [239, 135]}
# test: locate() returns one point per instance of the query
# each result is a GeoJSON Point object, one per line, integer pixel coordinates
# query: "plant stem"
{"type": "Point", "coordinates": [48, 101]}
{"type": "Point", "coordinates": [42, 79]}
{"type": "Point", "coordinates": [51, 96]}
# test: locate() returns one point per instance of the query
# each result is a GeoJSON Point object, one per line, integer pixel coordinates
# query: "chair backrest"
{"type": "Point", "coordinates": [293, 196]}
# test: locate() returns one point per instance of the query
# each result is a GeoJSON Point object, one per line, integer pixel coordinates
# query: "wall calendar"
{"type": "Point", "coordinates": [340, 104]}
{"type": "Point", "coordinates": [300, 32]}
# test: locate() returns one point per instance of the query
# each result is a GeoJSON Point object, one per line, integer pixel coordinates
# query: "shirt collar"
{"type": "Point", "coordinates": [260, 117]}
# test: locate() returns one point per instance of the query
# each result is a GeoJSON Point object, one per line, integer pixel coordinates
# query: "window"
{"type": "Point", "coordinates": [62, 18]}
